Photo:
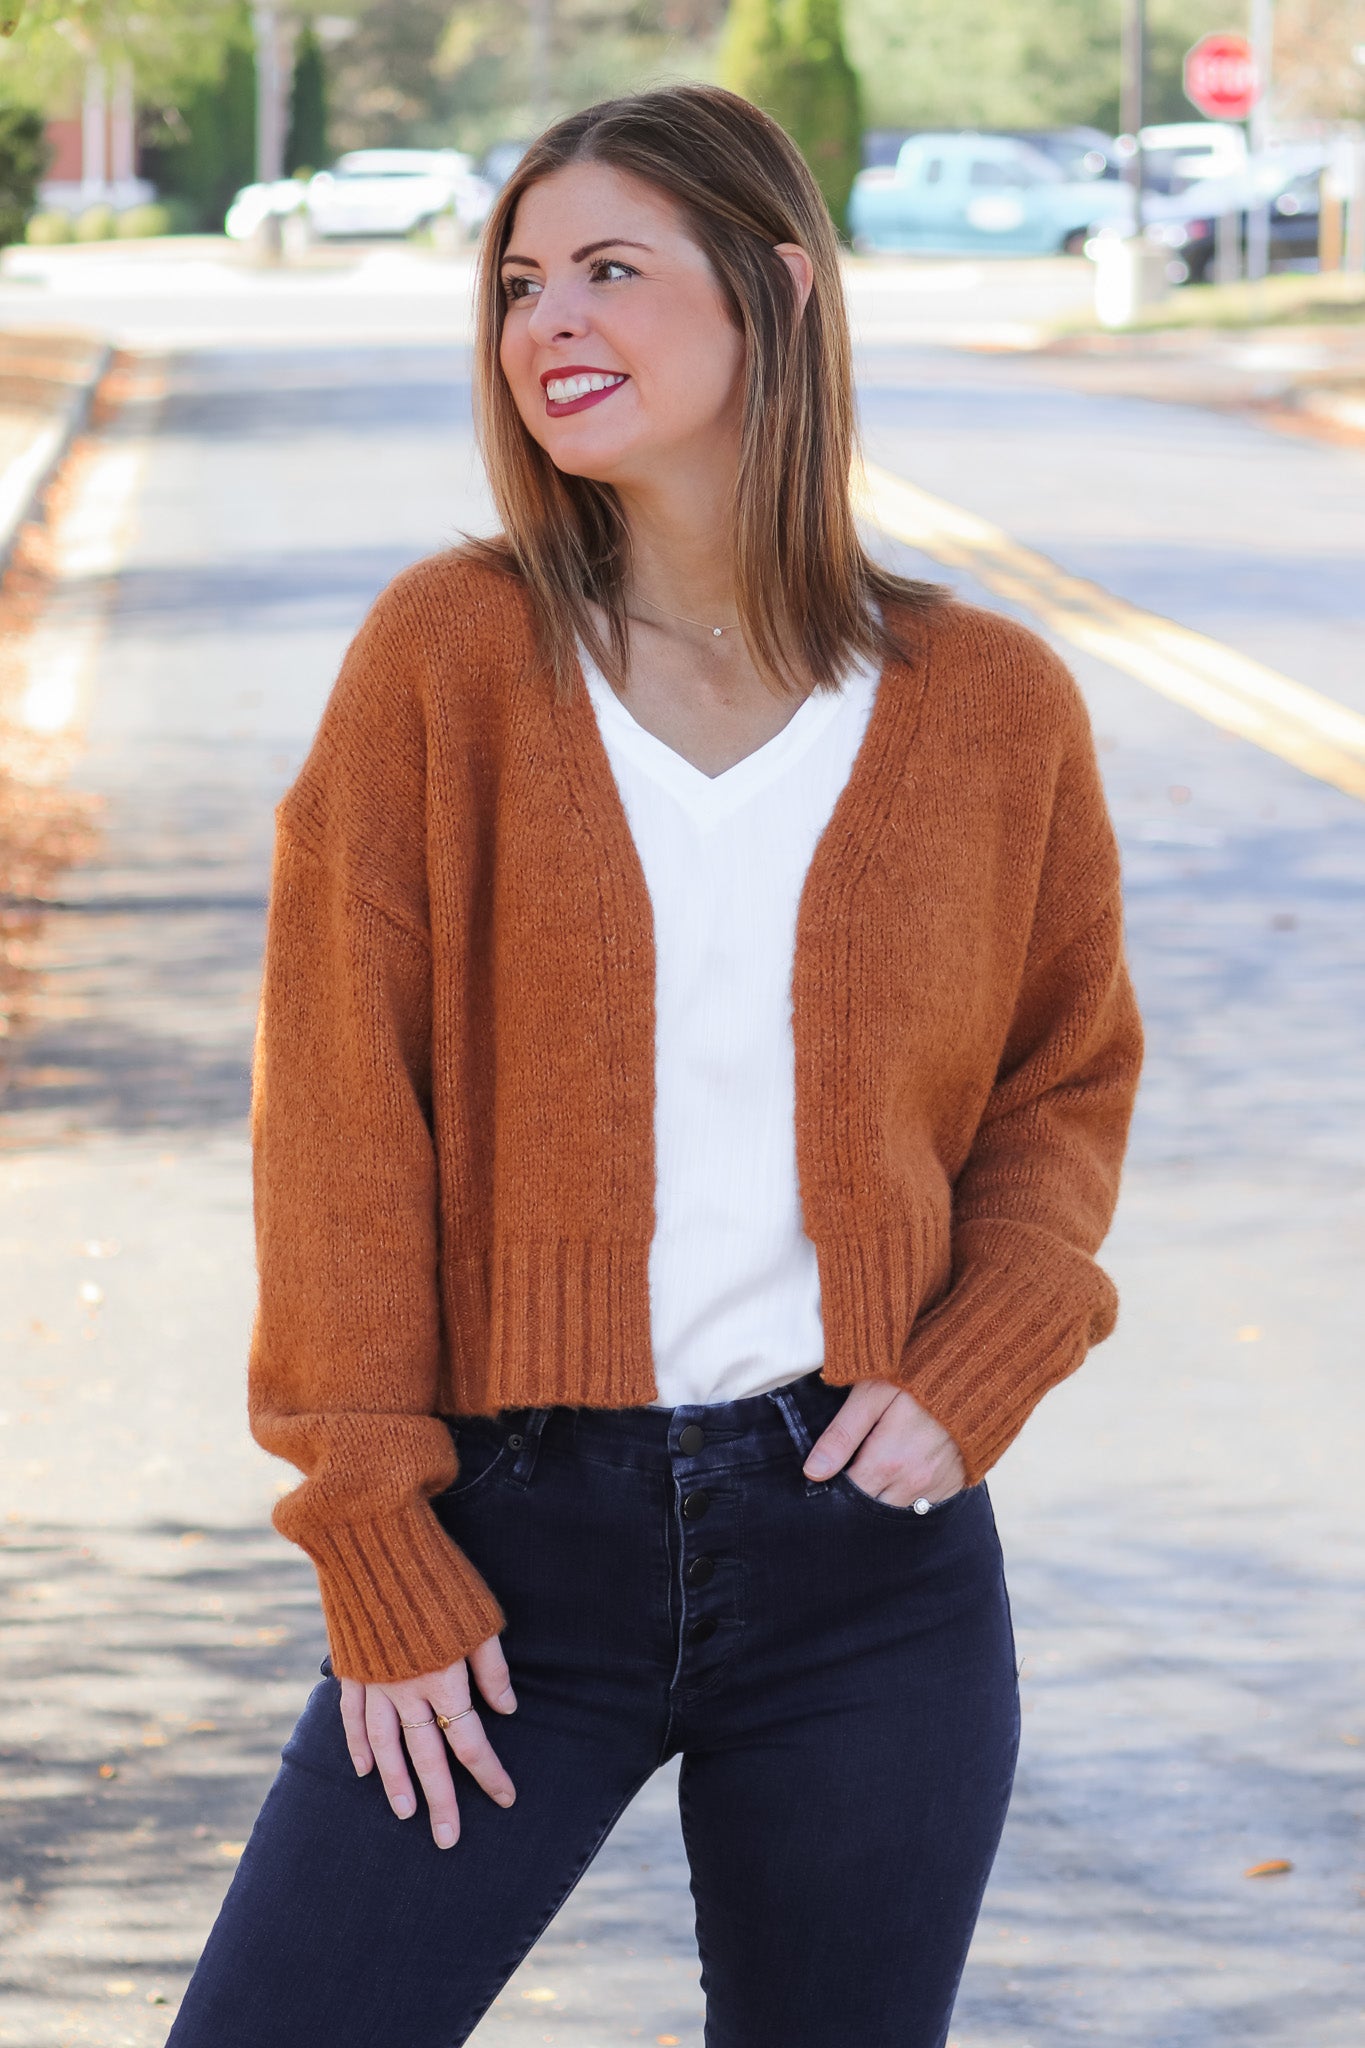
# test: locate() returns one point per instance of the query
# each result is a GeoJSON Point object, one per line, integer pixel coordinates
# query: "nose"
{"type": "Point", "coordinates": [557, 315]}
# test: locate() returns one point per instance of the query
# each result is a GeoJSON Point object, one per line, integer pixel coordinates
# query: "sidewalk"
{"type": "Point", "coordinates": [46, 384]}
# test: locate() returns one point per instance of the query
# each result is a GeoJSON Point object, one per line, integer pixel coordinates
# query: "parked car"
{"type": "Point", "coordinates": [255, 203]}
{"type": "Point", "coordinates": [1079, 152]}
{"type": "Point", "coordinates": [393, 191]}
{"type": "Point", "coordinates": [1186, 223]}
{"type": "Point", "coordinates": [1178, 154]}
{"type": "Point", "coordinates": [959, 195]}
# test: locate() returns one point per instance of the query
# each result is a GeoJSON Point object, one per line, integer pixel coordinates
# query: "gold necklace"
{"type": "Point", "coordinates": [683, 620]}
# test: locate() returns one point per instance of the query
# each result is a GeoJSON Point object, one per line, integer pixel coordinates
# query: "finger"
{"type": "Point", "coordinates": [353, 1721]}
{"type": "Point", "coordinates": [833, 1448]}
{"type": "Point", "coordinates": [386, 1740]}
{"type": "Point", "coordinates": [471, 1745]}
{"type": "Point", "coordinates": [432, 1765]}
{"type": "Point", "coordinates": [489, 1667]}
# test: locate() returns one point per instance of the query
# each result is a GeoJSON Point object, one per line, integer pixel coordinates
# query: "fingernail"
{"type": "Point", "coordinates": [445, 1835]}
{"type": "Point", "coordinates": [361, 1770]}
{"type": "Point", "coordinates": [507, 1701]}
{"type": "Point", "coordinates": [819, 1467]}
{"type": "Point", "coordinates": [505, 1798]}
{"type": "Point", "coordinates": [404, 1807]}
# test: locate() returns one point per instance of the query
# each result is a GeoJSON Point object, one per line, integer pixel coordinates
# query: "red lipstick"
{"type": "Point", "coordinates": [558, 409]}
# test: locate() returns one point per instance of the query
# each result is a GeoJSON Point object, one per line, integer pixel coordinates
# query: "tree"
{"type": "Point", "coordinates": [788, 57]}
{"type": "Point", "coordinates": [824, 99]}
{"type": "Point", "coordinates": [23, 159]}
{"type": "Point", "coordinates": [201, 146]}
{"type": "Point", "coordinates": [306, 143]}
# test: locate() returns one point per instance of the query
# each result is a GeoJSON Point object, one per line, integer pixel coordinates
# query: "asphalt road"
{"type": "Point", "coordinates": [1182, 1521]}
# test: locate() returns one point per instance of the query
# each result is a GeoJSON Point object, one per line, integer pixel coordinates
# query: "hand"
{"type": "Point", "coordinates": [371, 1714]}
{"type": "Point", "coordinates": [905, 1455]}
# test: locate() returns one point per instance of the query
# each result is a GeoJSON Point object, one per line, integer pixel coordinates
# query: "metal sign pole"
{"type": "Point", "coordinates": [1133, 97]}
{"type": "Point", "coordinates": [1258, 135]}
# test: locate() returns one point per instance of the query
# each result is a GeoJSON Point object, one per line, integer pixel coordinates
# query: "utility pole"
{"type": "Point", "coordinates": [542, 30]}
{"type": "Point", "coordinates": [1258, 134]}
{"type": "Point", "coordinates": [265, 23]}
{"type": "Point", "coordinates": [1132, 100]}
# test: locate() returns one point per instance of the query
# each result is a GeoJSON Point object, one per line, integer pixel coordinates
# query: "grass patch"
{"type": "Point", "coordinates": [1298, 298]}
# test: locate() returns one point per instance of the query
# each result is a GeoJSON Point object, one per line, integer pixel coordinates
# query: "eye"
{"type": "Point", "coordinates": [597, 271]}
{"type": "Point", "coordinates": [516, 286]}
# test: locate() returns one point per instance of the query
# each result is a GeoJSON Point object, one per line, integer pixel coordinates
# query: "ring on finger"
{"type": "Point", "coordinates": [417, 1724]}
{"type": "Point", "coordinates": [443, 1721]}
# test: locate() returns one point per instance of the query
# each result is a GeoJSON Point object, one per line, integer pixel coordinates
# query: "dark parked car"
{"type": "Point", "coordinates": [1187, 223]}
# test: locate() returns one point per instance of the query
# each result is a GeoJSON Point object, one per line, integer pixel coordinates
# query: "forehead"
{"type": "Point", "coordinates": [585, 203]}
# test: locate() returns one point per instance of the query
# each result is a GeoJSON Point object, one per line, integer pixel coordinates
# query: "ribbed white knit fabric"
{"type": "Point", "coordinates": [734, 1289]}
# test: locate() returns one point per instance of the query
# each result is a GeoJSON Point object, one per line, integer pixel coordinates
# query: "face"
{"type": "Point", "coordinates": [618, 347]}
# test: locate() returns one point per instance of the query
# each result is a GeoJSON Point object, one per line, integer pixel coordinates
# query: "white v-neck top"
{"type": "Point", "coordinates": [734, 1287]}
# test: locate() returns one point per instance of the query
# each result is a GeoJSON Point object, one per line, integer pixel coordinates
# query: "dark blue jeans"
{"type": "Point", "coordinates": [838, 1676]}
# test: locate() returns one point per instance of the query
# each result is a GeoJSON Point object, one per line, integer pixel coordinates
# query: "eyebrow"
{"type": "Point", "coordinates": [581, 255]}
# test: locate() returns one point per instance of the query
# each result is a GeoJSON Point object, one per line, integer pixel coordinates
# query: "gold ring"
{"type": "Point", "coordinates": [443, 1721]}
{"type": "Point", "coordinates": [416, 1724]}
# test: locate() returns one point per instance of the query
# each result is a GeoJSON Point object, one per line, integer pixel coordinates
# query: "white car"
{"type": "Point", "coordinates": [1182, 153]}
{"type": "Point", "coordinates": [392, 191]}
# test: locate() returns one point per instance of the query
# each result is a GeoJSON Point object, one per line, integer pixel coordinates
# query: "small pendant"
{"type": "Point", "coordinates": [717, 631]}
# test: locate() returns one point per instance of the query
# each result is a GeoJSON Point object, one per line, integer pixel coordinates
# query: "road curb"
{"type": "Point", "coordinates": [56, 377]}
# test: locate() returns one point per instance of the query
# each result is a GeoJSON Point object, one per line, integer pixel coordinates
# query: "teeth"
{"type": "Point", "coordinates": [563, 390]}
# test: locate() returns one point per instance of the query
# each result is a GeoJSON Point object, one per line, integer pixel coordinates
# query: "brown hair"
{"type": "Point", "coordinates": [807, 591]}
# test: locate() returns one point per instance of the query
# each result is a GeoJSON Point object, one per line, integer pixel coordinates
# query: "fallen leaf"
{"type": "Point", "coordinates": [1276, 1866]}
{"type": "Point", "coordinates": [108, 1770]}
{"type": "Point", "coordinates": [233, 1849]}
{"type": "Point", "coordinates": [540, 1996]}
{"type": "Point", "coordinates": [156, 1998]}
{"type": "Point", "coordinates": [201, 1727]}
{"type": "Point", "coordinates": [668, 2040]}
{"type": "Point", "coordinates": [153, 1738]}
{"type": "Point", "coordinates": [1351, 1741]}
{"type": "Point", "coordinates": [119, 1987]}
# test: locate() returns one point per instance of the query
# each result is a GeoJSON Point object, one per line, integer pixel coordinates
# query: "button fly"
{"type": "Point", "coordinates": [691, 1439]}
{"type": "Point", "coordinates": [700, 1570]}
{"type": "Point", "coordinates": [695, 1505]}
{"type": "Point", "coordinates": [702, 1631]}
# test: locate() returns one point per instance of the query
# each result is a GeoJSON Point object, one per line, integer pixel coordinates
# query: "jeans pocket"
{"type": "Point", "coordinates": [851, 1490]}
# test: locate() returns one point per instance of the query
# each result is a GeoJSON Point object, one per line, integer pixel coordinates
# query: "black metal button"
{"type": "Point", "coordinates": [695, 1505]}
{"type": "Point", "coordinates": [700, 1570]}
{"type": "Point", "coordinates": [691, 1439]}
{"type": "Point", "coordinates": [701, 1630]}
{"type": "Point", "coordinates": [514, 1443]}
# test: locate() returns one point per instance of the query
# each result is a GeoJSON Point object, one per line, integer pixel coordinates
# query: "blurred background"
{"type": "Point", "coordinates": [1105, 268]}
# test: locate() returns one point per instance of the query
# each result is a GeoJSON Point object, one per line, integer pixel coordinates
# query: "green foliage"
{"type": "Point", "coordinates": [96, 224]}
{"type": "Point", "coordinates": [169, 43]}
{"type": "Point", "coordinates": [46, 230]}
{"type": "Point", "coordinates": [306, 142]}
{"type": "Point", "coordinates": [23, 158]}
{"type": "Point", "coordinates": [788, 57]}
{"type": "Point", "coordinates": [203, 149]}
{"type": "Point", "coordinates": [135, 223]}
{"type": "Point", "coordinates": [1006, 64]}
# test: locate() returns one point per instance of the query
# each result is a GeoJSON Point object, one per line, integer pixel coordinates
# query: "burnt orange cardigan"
{"type": "Point", "coordinates": [453, 1091]}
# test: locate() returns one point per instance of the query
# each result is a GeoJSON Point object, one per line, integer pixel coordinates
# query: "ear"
{"type": "Point", "coordinates": [801, 268]}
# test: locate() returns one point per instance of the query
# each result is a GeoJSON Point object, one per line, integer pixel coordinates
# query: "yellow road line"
{"type": "Point", "coordinates": [1229, 689]}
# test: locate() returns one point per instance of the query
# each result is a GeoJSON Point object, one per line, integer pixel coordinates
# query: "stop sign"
{"type": "Point", "coordinates": [1221, 77]}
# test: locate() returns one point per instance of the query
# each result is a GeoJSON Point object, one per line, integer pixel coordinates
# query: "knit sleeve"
{"type": "Point", "coordinates": [346, 1344]}
{"type": "Point", "coordinates": [1034, 1199]}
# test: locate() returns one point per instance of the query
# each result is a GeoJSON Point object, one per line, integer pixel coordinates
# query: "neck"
{"type": "Point", "coordinates": [680, 553]}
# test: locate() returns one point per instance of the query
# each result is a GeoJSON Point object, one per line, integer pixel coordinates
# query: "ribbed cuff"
{"type": "Point", "coordinates": [399, 1598]}
{"type": "Point", "coordinates": [1009, 1329]}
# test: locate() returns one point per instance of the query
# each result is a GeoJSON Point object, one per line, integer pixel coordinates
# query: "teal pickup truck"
{"type": "Point", "coordinates": [975, 195]}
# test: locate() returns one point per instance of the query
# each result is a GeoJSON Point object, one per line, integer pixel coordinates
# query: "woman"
{"type": "Point", "coordinates": [695, 1060]}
